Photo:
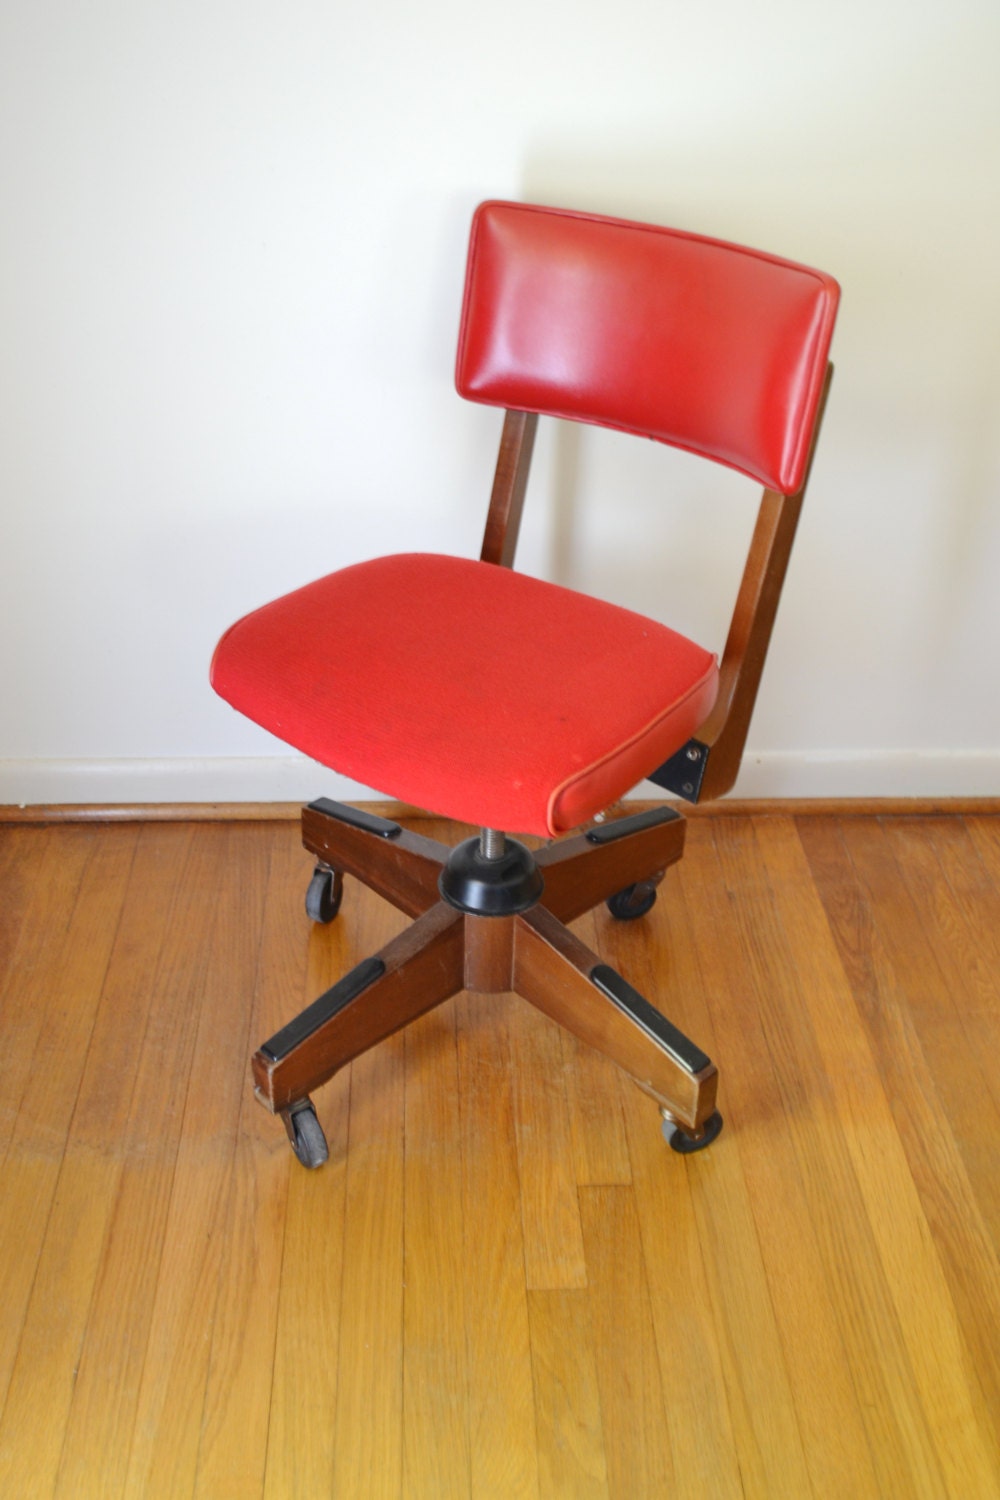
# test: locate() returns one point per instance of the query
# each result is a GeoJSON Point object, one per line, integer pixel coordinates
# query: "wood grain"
{"type": "Point", "coordinates": [503, 1283]}
{"type": "Point", "coordinates": [571, 1453]}
{"type": "Point", "coordinates": [934, 1212]}
{"type": "Point", "coordinates": [367, 1423]}
{"type": "Point", "coordinates": [193, 1248]}
{"type": "Point", "coordinates": [498, 1348]}
{"type": "Point", "coordinates": [435, 1383]}
{"type": "Point", "coordinates": [54, 1191]}
{"type": "Point", "coordinates": [305, 1296]}
{"type": "Point", "coordinates": [510, 483]}
{"type": "Point", "coordinates": [550, 1208]}
{"type": "Point", "coordinates": [634, 1427]}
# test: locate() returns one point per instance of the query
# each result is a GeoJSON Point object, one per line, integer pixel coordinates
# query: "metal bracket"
{"type": "Point", "coordinates": [684, 772]}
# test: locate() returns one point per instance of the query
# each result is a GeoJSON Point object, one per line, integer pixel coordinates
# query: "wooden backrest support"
{"type": "Point", "coordinates": [703, 345]}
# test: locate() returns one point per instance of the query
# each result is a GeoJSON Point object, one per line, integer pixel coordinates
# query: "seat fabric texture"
{"type": "Point", "coordinates": [467, 689]}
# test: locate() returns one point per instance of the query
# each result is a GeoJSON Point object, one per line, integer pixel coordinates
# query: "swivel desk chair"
{"type": "Point", "coordinates": [492, 698]}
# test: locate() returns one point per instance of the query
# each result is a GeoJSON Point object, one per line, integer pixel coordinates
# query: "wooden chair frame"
{"type": "Point", "coordinates": [531, 950]}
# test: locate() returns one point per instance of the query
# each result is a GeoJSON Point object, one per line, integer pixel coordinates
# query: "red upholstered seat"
{"type": "Point", "coordinates": [465, 688]}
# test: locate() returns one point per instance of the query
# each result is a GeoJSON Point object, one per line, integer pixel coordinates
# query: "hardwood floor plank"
{"type": "Point", "coordinates": [662, 959]}
{"type": "Point", "coordinates": [816, 1045]}
{"type": "Point", "coordinates": [44, 1296]}
{"type": "Point", "coordinates": [697, 1376]}
{"type": "Point", "coordinates": [596, 1116]}
{"type": "Point", "coordinates": [307, 1296]}
{"type": "Point", "coordinates": [436, 1457]}
{"type": "Point", "coordinates": [174, 1387]}
{"type": "Point", "coordinates": [593, 1097]}
{"type": "Point", "coordinates": [553, 1242]}
{"type": "Point", "coordinates": [304, 1386]}
{"type": "Point", "coordinates": [567, 1400]}
{"type": "Point", "coordinates": [636, 1439]}
{"type": "Point", "coordinates": [49, 925]}
{"type": "Point", "coordinates": [368, 1422]}
{"type": "Point", "coordinates": [236, 1419]}
{"type": "Point", "coordinates": [173, 878]}
{"type": "Point", "coordinates": [985, 835]}
{"type": "Point", "coordinates": [502, 1434]}
{"type": "Point", "coordinates": [953, 900]}
{"type": "Point", "coordinates": [749, 1163]}
{"type": "Point", "coordinates": [83, 1214]}
{"type": "Point", "coordinates": [919, 1201]}
{"type": "Point", "coordinates": [368, 1436]}
{"type": "Point", "coordinates": [944, 1062]}
{"type": "Point", "coordinates": [968, 851]}
{"type": "Point", "coordinates": [19, 852]}
{"type": "Point", "coordinates": [41, 1386]}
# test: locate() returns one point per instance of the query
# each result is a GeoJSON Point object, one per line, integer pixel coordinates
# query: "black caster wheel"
{"type": "Point", "coordinates": [306, 1134]}
{"type": "Point", "coordinates": [684, 1142]}
{"type": "Point", "coordinates": [634, 901]}
{"type": "Point", "coordinates": [324, 894]}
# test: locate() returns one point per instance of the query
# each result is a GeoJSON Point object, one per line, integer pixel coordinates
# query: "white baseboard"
{"type": "Point", "coordinates": [869, 773]}
{"type": "Point", "coordinates": [292, 778]}
{"type": "Point", "coordinates": [271, 778]}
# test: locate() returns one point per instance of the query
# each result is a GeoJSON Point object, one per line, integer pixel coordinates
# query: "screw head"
{"type": "Point", "coordinates": [693, 753]}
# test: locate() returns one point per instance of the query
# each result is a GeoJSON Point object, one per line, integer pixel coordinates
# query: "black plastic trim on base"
{"type": "Point", "coordinates": [491, 887]}
{"type": "Point", "coordinates": [664, 1032]}
{"type": "Point", "coordinates": [356, 817]}
{"type": "Point", "coordinates": [324, 1009]}
{"type": "Point", "coordinates": [684, 772]}
{"type": "Point", "coordinates": [621, 828]}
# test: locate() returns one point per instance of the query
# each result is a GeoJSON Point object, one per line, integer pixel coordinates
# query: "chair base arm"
{"type": "Point", "coordinates": [561, 977]}
{"type": "Point", "coordinates": [582, 871]}
{"type": "Point", "coordinates": [418, 970]}
{"type": "Point", "coordinates": [402, 867]}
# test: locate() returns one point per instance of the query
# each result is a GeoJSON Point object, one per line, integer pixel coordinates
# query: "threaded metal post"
{"type": "Point", "coordinates": [491, 843]}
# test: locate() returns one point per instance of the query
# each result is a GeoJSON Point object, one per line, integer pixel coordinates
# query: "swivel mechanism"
{"type": "Point", "coordinates": [491, 876]}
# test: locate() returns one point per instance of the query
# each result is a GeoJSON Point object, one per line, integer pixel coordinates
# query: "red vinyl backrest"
{"type": "Point", "coordinates": [692, 341]}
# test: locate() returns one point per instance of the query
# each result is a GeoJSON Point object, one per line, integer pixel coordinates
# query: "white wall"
{"type": "Point", "coordinates": [231, 253]}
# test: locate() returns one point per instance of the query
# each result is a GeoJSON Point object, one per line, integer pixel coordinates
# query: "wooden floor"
{"type": "Point", "coordinates": [503, 1283]}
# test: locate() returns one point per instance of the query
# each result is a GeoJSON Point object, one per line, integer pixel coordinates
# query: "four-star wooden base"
{"type": "Point", "coordinates": [488, 919]}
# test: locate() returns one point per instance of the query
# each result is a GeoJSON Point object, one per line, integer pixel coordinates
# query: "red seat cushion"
{"type": "Point", "coordinates": [467, 689]}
